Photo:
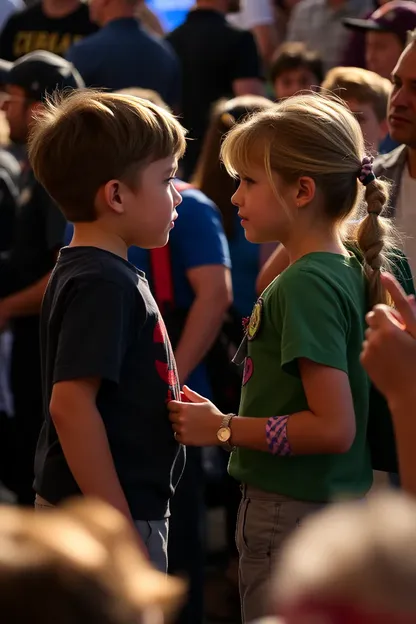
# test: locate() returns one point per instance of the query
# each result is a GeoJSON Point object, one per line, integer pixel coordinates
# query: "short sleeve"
{"type": "Point", "coordinates": [95, 332]}
{"type": "Point", "coordinates": [198, 238]}
{"type": "Point", "coordinates": [313, 322]}
{"type": "Point", "coordinates": [246, 60]}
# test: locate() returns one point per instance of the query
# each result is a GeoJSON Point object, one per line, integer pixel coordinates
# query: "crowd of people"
{"type": "Point", "coordinates": [207, 248]}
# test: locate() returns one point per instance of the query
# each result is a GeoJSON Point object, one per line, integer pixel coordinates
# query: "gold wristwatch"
{"type": "Point", "coordinates": [224, 433]}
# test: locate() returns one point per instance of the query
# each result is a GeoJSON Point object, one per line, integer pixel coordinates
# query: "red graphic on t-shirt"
{"type": "Point", "coordinates": [248, 370]}
{"type": "Point", "coordinates": [166, 368]}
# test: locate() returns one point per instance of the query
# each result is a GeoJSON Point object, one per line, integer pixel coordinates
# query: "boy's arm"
{"type": "Point", "coordinates": [84, 441]}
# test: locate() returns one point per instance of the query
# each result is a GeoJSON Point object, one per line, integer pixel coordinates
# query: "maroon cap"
{"type": "Point", "coordinates": [397, 17]}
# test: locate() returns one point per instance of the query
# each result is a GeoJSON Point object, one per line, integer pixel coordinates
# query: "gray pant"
{"type": "Point", "coordinates": [154, 535]}
{"type": "Point", "coordinates": [264, 522]}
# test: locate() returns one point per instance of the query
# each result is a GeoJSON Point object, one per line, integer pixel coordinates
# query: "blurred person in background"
{"type": "Point", "coordinates": [257, 16]}
{"type": "Point", "coordinates": [39, 233]}
{"type": "Point", "coordinates": [385, 34]}
{"type": "Point", "coordinates": [319, 24]}
{"type": "Point", "coordinates": [217, 60]}
{"type": "Point", "coordinates": [79, 564]}
{"type": "Point", "coordinates": [7, 8]}
{"type": "Point", "coordinates": [52, 25]}
{"type": "Point", "coordinates": [282, 10]}
{"type": "Point", "coordinates": [149, 19]}
{"type": "Point", "coordinates": [122, 53]}
{"type": "Point", "coordinates": [366, 95]}
{"type": "Point", "coordinates": [294, 68]}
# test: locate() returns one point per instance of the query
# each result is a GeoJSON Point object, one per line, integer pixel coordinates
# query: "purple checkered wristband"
{"type": "Point", "coordinates": [276, 436]}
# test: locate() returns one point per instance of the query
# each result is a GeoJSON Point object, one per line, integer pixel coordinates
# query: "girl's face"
{"type": "Point", "coordinates": [266, 215]}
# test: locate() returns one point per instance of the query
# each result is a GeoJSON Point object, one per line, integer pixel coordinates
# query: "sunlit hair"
{"type": "Point", "coordinates": [361, 554]}
{"type": "Point", "coordinates": [79, 564]}
{"type": "Point", "coordinates": [81, 141]}
{"type": "Point", "coordinates": [210, 175]}
{"type": "Point", "coordinates": [411, 36]}
{"type": "Point", "coordinates": [316, 136]}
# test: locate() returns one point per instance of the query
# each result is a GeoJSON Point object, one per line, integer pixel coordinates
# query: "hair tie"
{"type": "Point", "coordinates": [366, 174]}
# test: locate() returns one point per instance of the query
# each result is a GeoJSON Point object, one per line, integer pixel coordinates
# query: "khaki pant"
{"type": "Point", "coordinates": [264, 522]}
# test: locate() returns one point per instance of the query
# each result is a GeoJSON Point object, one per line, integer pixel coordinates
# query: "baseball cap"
{"type": "Point", "coordinates": [39, 73]}
{"type": "Point", "coordinates": [397, 17]}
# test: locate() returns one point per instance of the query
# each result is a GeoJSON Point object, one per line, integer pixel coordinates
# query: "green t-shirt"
{"type": "Point", "coordinates": [316, 310]}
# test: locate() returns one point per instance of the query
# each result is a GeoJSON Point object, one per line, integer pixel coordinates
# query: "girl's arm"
{"type": "Point", "coordinates": [327, 428]}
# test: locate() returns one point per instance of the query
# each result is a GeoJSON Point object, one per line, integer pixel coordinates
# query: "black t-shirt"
{"type": "Point", "coordinates": [9, 193]}
{"type": "Point", "coordinates": [213, 54]}
{"type": "Point", "coordinates": [99, 319]}
{"type": "Point", "coordinates": [31, 29]}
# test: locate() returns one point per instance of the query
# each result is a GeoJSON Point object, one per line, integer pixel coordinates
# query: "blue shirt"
{"type": "Point", "coordinates": [245, 261]}
{"type": "Point", "coordinates": [122, 55]}
{"type": "Point", "coordinates": [198, 239]}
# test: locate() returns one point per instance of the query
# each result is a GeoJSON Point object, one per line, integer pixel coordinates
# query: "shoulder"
{"type": "Point", "coordinates": [385, 163]}
{"type": "Point", "coordinates": [196, 204]}
{"type": "Point", "coordinates": [86, 43]}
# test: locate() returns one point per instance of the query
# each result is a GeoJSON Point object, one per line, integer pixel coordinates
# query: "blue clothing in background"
{"type": "Point", "coordinates": [387, 145]}
{"type": "Point", "coordinates": [197, 239]}
{"type": "Point", "coordinates": [245, 262]}
{"type": "Point", "coordinates": [122, 54]}
{"type": "Point", "coordinates": [172, 14]}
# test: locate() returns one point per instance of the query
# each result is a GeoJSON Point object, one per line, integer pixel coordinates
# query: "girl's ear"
{"type": "Point", "coordinates": [306, 191]}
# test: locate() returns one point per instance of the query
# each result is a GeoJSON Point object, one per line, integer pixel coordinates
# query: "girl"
{"type": "Point", "coordinates": [212, 179]}
{"type": "Point", "coordinates": [300, 438]}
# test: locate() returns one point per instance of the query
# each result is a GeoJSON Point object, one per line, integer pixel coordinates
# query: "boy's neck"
{"type": "Point", "coordinates": [91, 235]}
{"type": "Point", "coordinates": [316, 240]}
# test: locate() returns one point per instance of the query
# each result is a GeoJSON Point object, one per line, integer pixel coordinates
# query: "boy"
{"type": "Point", "coordinates": [294, 69]}
{"type": "Point", "coordinates": [108, 370]}
{"type": "Point", "coordinates": [366, 95]}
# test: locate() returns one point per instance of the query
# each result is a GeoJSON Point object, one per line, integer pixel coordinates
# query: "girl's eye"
{"type": "Point", "coordinates": [248, 180]}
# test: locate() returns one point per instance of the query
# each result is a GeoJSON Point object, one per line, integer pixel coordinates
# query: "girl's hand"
{"type": "Point", "coordinates": [195, 422]}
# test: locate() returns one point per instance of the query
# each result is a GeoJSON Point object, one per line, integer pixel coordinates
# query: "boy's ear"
{"type": "Point", "coordinates": [112, 195]}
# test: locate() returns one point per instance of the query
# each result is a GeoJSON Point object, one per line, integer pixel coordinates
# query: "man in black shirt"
{"type": "Point", "coordinates": [52, 25]}
{"type": "Point", "coordinates": [38, 235]}
{"type": "Point", "coordinates": [108, 369]}
{"type": "Point", "coordinates": [218, 60]}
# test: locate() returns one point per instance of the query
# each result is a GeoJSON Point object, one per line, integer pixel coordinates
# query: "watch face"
{"type": "Point", "coordinates": [224, 434]}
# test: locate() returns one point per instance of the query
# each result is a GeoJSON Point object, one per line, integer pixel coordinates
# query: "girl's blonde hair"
{"type": "Point", "coordinates": [316, 136]}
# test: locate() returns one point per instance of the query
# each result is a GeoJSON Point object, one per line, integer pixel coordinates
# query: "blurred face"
{"type": "Point", "coordinates": [263, 217]}
{"type": "Point", "coordinates": [382, 52]}
{"type": "Point", "coordinates": [18, 110]}
{"type": "Point", "coordinates": [294, 80]}
{"type": "Point", "coordinates": [373, 131]}
{"type": "Point", "coordinates": [402, 105]}
{"type": "Point", "coordinates": [97, 10]}
{"type": "Point", "coordinates": [149, 211]}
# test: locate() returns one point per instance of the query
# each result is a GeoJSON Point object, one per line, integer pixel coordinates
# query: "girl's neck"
{"type": "Point", "coordinates": [298, 245]}
{"type": "Point", "coordinates": [92, 235]}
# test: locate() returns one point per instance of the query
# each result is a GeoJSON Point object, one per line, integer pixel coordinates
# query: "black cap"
{"type": "Point", "coordinates": [40, 73]}
{"type": "Point", "coordinates": [397, 17]}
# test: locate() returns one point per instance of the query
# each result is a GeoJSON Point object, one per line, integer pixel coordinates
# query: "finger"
{"type": "Point", "coordinates": [174, 417]}
{"type": "Point", "coordinates": [193, 396]}
{"type": "Point", "coordinates": [174, 406]}
{"type": "Point", "coordinates": [401, 301]}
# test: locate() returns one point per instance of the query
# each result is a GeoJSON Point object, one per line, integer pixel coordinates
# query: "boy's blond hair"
{"type": "Point", "coordinates": [362, 85]}
{"type": "Point", "coordinates": [79, 564]}
{"type": "Point", "coordinates": [81, 141]}
{"type": "Point", "coordinates": [316, 136]}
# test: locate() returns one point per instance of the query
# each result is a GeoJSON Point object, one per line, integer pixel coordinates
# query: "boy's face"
{"type": "Point", "coordinates": [292, 81]}
{"type": "Point", "coordinates": [373, 130]}
{"type": "Point", "coordinates": [382, 51]}
{"type": "Point", "coordinates": [146, 214]}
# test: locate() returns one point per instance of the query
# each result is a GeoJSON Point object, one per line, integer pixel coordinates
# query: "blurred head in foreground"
{"type": "Point", "coordinates": [78, 565]}
{"type": "Point", "coordinates": [354, 563]}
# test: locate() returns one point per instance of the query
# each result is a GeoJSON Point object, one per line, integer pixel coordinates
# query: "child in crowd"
{"type": "Point", "coordinates": [294, 68]}
{"type": "Point", "coordinates": [79, 565]}
{"type": "Point", "coordinates": [366, 95]}
{"type": "Point", "coordinates": [108, 369]}
{"type": "Point", "coordinates": [300, 439]}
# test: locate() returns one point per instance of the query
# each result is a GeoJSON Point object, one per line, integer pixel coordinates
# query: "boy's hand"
{"type": "Point", "coordinates": [195, 422]}
{"type": "Point", "coordinates": [389, 351]}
